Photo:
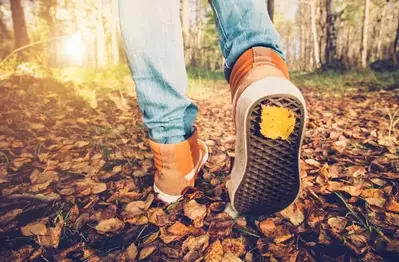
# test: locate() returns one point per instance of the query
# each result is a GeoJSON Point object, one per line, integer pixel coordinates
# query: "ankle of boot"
{"type": "Point", "coordinates": [252, 58]}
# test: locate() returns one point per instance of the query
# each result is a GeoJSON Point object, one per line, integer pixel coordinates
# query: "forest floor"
{"type": "Point", "coordinates": [76, 174]}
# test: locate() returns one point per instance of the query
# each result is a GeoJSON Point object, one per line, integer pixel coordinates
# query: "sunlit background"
{"type": "Point", "coordinates": [63, 33]}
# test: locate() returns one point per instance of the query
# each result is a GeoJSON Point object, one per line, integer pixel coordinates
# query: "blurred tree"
{"type": "Point", "coordinates": [114, 33]}
{"type": "Point", "coordinates": [365, 33]}
{"type": "Point", "coordinates": [395, 44]}
{"type": "Point", "coordinates": [18, 19]}
{"type": "Point", "coordinates": [331, 45]}
{"type": "Point", "coordinates": [100, 39]}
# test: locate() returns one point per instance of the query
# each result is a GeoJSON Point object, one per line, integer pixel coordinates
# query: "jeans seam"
{"type": "Point", "coordinates": [219, 22]}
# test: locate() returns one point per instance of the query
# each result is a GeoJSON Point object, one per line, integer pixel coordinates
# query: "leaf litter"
{"type": "Point", "coordinates": [76, 183]}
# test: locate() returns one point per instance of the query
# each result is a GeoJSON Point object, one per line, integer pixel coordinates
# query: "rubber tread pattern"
{"type": "Point", "coordinates": [271, 181]}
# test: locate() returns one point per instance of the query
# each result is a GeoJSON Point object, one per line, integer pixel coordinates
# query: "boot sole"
{"type": "Point", "coordinates": [271, 178]}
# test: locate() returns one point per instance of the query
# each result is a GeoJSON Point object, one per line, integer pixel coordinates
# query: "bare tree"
{"type": "Point", "coordinates": [365, 33]}
{"type": "Point", "coordinates": [114, 33]}
{"type": "Point", "coordinates": [395, 44]}
{"type": "Point", "coordinates": [101, 59]}
{"type": "Point", "coordinates": [331, 41]}
{"type": "Point", "coordinates": [18, 19]}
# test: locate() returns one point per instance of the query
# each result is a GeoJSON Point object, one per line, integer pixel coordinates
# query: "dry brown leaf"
{"type": "Point", "coordinates": [97, 188]}
{"type": "Point", "coordinates": [135, 208]}
{"type": "Point", "coordinates": [53, 235]}
{"type": "Point", "coordinates": [35, 228]}
{"type": "Point", "coordinates": [313, 162]}
{"type": "Point", "coordinates": [178, 229]}
{"type": "Point", "coordinates": [282, 238]}
{"type": "Point", "coordinates": [392, 205]}
{"type": "Point", "coordinates": [340, 145]}
{"type": "Point", "coordinates": [46, 176]}
{"type": "Point", "coordinates": [214, 253]}
{"type": "Point", "coordinates": [195, 211]}
{"type": "Point", "coordinates": [267, 227]}
{"type": "Point", "coordinates": [166, 237]}
{"type": "Point", "coordinates": [339, 186]}
{"type": "Point", "coordinates": [221, 225]}
{"type": "Point", "coordinates": [9, 216]}
{"type": "Point", "coordinates": [315, 217]}
{"type": "Point", "coordinates": [198, 244]}
{"type": "Point", "coordinates": [109, 212]}
{"type": "Point", "coordinates": [372, 192]}
{"type": "Point", "coordinates": [374, 201]}
{"type": "Point", "coordinates": [137, 220]}
{"type": "Point", "coordinates": [109, 226]}
{"type": "Point", "coordinates": [337, 224]}
{"type": "Point", "coordinates": [293, 214]}
{"type": "Point", "coordinates": [131, 253]}
{"type": "Point", "coordinates": [158, 217]}
{"type": "Point", "coordinates": [151, 238]}
{"type": "Point", "coordinates": [234, 246]}
{"type": "Point", "coordinates": [147, 251]}
{"type": "Point", "coordinates": [229, 257]}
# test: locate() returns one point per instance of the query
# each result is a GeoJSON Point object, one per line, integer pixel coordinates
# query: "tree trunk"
{"type": "Point", "coordinates": [331, 45]}
{"type": "Point", "coordinates": [381, 32]}
{"type": "Point", "coordinates": [314, 33]}
{"type": "Point", "coordinates": [18, 19]}
{"type": "Point", "coordinates": [365, 33]}
{"type": "Point", "coordinates": [114, 33]}
{"type": "Point", "coordinates": [395, 44]}
{"type": "Point", "coordinates": [101, 59]}
{"type": "Point", "coordinates": [184, 18]}
{"type": "Point", "coordinates": [270, 9]}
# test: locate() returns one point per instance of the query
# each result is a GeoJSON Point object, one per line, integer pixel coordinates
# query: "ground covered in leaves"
{"type": "Point", "coordinates": [76, 175]}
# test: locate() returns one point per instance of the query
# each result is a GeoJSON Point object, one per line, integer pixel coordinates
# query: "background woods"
{"type": "Point", "coordinates": [76, 169]}
{"type": "Point", "coordinates": [327, 34]}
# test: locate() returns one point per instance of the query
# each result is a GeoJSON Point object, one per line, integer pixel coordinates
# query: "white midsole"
{"type": "Point", "coordinates": [266, 87]}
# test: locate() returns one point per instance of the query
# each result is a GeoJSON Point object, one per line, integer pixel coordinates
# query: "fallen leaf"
{"type": "Point", "coordinates": [229, 257]}
{"type": "Point", "coordinates": [340, 145]}
{"type": "Point", "coordinates": [392, 205]}
{"type": "Point", "coordinates": [337, 224]}
{"type": "Point", "coordinates": [147, 251]}
{"type": "Point", "coordinates": [214, 252]}
{"type": "Point", "coordinates": [196, 212]}
{"type": "Point", "coordinates": [35, 228]}
{"type": "Point", "coordinates": [293, 214]}
{"type": "Point", "coordinates": [267, 227]}
{"type": "Point", "coordinates": [131, 253]}
{"type": "Point", "coordinates": [109, 226]}
{"type": "Point", "coordinates": [9, 216]}
{"type": "Point", "coordinates": [178, 229]}
{"type": "Point", "coordinates": [374, 201]}
{"type": "Point", "coordinates": [158, 217]}
{"type": "Point", "coordinates": [234, 246]}
{"type": "Point", "coordinates": [196, 243]}
{"type": "Point", "coordinates": [53, 235]}
{"type": "Point", "coordinates": [135, 207]}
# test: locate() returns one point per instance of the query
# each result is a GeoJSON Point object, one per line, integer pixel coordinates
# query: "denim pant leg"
{"type": "Point", "coordinates": [153, 41]}
{"type": "Point", "coordinates": [243, 24]}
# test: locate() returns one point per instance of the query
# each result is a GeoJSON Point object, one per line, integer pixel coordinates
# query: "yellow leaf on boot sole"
{"type": "Point", "coordinates": [277, 122]}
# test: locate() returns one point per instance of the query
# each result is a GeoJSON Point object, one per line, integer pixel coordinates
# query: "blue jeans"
{"type": "Point", "coordinates": [152, 37]}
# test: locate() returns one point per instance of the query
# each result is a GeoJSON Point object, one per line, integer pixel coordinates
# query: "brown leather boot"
{"type": "Point", "coordinates": [177, 166]}
{"type": "Point", "coordinates": [269, 114]}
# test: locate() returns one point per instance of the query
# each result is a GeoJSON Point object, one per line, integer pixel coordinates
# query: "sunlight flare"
{"type": "Point", "coordinates": [74, 47]}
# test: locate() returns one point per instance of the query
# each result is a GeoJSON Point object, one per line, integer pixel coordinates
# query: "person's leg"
{"type": "Point", "coordinates": [268, 110]}
{"type": "Point", "coordinates": [243, 24]}
{"type": "Point", "coordinates": [153, 43]}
